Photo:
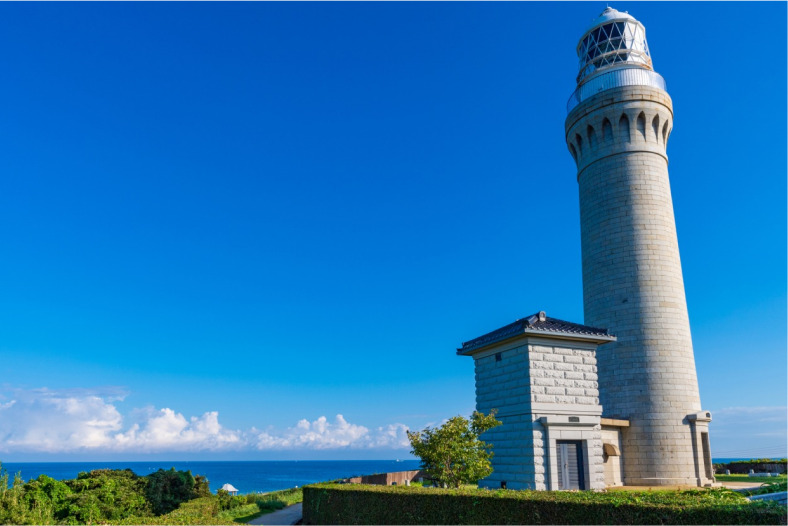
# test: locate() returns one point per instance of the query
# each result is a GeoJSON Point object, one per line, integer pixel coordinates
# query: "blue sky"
{"type": "Point", "coordinates": [226, 224]}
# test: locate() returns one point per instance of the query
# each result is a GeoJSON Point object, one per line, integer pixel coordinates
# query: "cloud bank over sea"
{"type": "Point", "coordinates": [66, 421]}
{"type": "Point", "coordinates": [64, 424]}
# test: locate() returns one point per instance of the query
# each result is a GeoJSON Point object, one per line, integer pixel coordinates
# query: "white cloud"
{"type": "Point", "coordinates": [51, 421]}
{"type": "Point", "coordinates": [164, 429]}
{"type": "Point", "coordinates": [61, 421]}
{"type": "Point", "coordinates": [322, 434]}
{"type": "Point", "coordinates": [392, 436]}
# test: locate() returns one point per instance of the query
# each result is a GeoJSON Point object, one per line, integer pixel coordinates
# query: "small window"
{"type": "Point", "coordinates": [497, 357]}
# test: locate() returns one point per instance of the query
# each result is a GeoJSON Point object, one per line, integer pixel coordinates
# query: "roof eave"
{"type": "Point", "coordinates": [599, 339]}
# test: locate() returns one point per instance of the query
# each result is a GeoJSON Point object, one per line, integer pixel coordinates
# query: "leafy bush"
{"type": "Point", "coordinates": [122, 497]}
{"type": "Point", "coordinates": [285, 497]}
{"type": "Point", "coordinates": [168, 489]}
{"type": "Point", "coordinates": [203, 510]}
{"type": "Point", "coordinates": [46, 497]}
{"type": "Point", "coordinates": [356, 504]}
{"type": "Point", "coordinates": [103, 495]}
{"type": "Point", "coordinates": [452, 454]}
{"type": "Point", "coordinates": [227, 501]}
{"type": "Point", "coordinates": [100, 496]}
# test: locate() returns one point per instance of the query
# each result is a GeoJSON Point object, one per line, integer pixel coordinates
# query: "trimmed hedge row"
{"type": "Point", "coordinates": [744, 466]}
{"type": "Point", "coordinates": [361, 504]}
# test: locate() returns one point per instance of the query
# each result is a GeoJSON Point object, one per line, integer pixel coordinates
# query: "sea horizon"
{"type": "Point", "coordinates": [249, 476]}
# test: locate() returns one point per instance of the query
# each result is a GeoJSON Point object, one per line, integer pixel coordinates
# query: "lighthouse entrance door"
{"type": "Point", "coordinates": [570, 464]}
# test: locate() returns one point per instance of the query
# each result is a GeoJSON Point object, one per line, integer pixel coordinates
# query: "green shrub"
{"type": "Point", "coordinates": [101, 496]}
{"type": "Point", "coordinates": [166, 490]}
{"type": "Point", "coordinates": [206, 510]}
{"type": "Point", "coordinates": [285, 497]}
{"type": "Point", "coordinates": [357, 504]}
{"type": "Point", "coordinates": [203, 510]}
{"type": "Point", "coordinates": [104, 495]}
{"type": "Point", "coordinates": [758, 465]}
{"type": "Point", "coordinates": [227, 501]}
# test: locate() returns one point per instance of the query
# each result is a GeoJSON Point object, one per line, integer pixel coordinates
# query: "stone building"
{"type": "Point", "coordinates": [575, 418]}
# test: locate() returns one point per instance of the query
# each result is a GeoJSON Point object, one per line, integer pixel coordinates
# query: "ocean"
{"type": "Point", "coordinates": [247, 476]}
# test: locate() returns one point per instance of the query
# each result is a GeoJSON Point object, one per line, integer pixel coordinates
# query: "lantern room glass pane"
{"type": "Point", "coordinates": [611, 43]}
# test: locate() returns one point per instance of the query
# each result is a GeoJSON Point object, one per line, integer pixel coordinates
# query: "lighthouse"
{"type": "Point", "coordinates": [619, 121]}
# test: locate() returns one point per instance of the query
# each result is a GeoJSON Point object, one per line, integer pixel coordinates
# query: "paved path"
{"type": "Point", "coordinates": [741, 485]}
{"type": "Point", "coordinates": [285, 516]}
{"type": "Point", "coordinates": [781, 497]}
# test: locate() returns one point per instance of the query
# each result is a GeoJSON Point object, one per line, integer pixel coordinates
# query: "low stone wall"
{"type": "Point", "coordinates": [398, 478]}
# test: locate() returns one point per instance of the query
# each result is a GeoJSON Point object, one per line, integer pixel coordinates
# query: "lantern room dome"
{"type": "Point", "coordinates": [610, 14]}
{"type": "Point", "coordinates": [613, 40]}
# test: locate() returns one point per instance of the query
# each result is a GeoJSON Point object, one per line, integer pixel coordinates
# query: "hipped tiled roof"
{"type": "Point", "coordinates": [538, 322]}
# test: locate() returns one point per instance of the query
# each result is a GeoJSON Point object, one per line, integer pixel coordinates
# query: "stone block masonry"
{"type": "Point", "coordinates": [527, 383]}
{"type": "Point", "coordinates": [633, 284]}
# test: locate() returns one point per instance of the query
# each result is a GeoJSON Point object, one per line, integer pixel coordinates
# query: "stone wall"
{"type": "Point", "coordinates": [529, 381]}
{"type": "Point", "coordinates": [611, 460]}
{"type": "Point", "coordinates": [561, 375]}
{"type": "Point", "coordinates": [502, 383]}
{"type": "Point", "coordinates": [398, 478]}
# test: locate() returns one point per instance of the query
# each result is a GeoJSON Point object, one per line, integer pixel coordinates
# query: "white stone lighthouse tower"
{"type": "Point", "coordinates": [620, 118]}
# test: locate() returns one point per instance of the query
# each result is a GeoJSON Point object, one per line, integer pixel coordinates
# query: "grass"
{"type": "Point", "coordinates": [244, 514]}
{"type": "Point", "coordinates": [775, 487]}
{"type": "Point", "coordinates": [746, 478]}
{"type": "Point", "coordinates": [260, 504]}
{"type": "Point", "coordinates": [205, 510]}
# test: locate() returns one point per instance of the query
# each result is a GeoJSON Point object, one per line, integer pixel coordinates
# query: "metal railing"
{"type": "Point", "coordinates": [614, 79]}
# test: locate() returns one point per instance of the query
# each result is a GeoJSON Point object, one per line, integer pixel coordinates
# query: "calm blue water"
{"type": "Point", "coordinates": [247, 476]}
{"type": "Point", "coordinates": [725, 460]}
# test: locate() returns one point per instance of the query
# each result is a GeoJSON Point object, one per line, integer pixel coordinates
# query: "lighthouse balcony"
{"type": "Point", "coordinates": [632, 76]}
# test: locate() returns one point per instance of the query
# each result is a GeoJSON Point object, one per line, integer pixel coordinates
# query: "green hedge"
{"type": "Point", "coordinates": [760, 465]}
{"type": "Point", "coordinates": [361, 504]}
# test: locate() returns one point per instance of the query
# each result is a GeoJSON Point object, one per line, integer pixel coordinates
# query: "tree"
{"type": "Point", "coordinates": [452, 454]}
{"type": "Point", "coordinates": [168, 489]}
